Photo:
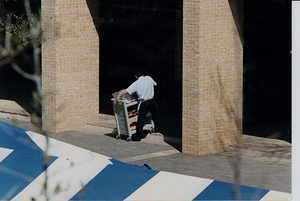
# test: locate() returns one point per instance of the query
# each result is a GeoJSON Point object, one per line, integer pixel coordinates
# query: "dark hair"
{"type": "Point", "coordinates": [139, 73]}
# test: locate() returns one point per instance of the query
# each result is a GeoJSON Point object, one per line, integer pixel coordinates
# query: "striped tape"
{"type": "Point", "coordinates": [78, 174]}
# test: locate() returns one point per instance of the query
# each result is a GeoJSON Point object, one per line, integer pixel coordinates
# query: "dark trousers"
{"type": "Point", "coordinates": [146, 106]}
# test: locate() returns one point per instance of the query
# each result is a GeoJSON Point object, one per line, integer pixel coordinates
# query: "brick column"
{"type": "Point", "coordinates": [70, 62]}
{"type": "Point", "coordinates": [212, 76]}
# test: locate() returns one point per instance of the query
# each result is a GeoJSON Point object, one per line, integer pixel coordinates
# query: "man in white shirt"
{"type": "Point", "coordinates": [144, 88]}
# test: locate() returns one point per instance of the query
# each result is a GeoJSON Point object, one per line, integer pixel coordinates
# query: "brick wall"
{"type": "Point", "coordinates": [212, 77]}
{"type": "Point", "coordinates": [70, 62]}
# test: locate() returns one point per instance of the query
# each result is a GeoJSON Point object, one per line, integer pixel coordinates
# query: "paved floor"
{"type": "Point", "coordinates": [264, 163]}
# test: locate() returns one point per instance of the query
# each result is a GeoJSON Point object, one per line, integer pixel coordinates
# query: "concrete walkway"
{"type": "Point", "coordinates": [264, 163]}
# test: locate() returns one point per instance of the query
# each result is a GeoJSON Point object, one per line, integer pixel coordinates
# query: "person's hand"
{"type": "Point", "coordinates": [120, 95]}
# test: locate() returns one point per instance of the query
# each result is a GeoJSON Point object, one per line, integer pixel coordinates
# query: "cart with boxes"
{"type": "Point", "coordinates": [126, 118]}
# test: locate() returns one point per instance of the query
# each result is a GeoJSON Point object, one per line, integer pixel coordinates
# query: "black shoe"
{"type": "Point", "coordinates": [136, 139]}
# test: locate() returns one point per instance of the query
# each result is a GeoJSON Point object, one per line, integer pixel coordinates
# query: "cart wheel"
{"type": "Point", "coordinates": [128, 139]}
{"type": "Point", "coordinates": [118, 137]}
{"type": "Point", "coordinates": [152, 131]}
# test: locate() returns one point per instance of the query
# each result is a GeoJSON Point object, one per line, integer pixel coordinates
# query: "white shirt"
{"type": "Point", "coordinates": [144, 87]}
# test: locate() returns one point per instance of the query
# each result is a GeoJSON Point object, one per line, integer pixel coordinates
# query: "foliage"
{"type": "Point", "coordinates": [19, 28]}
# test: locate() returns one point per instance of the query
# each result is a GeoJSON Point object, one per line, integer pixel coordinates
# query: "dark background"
{"type": "Point", "coordinates": [147, 35]}
{"type": "Point", "coordinates": [267, 68]}
{"type": "Point", "coordinates": [14, 86]}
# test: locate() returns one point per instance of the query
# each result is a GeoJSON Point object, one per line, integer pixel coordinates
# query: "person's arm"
{"type": "Point", "coordinates": [121, 94]}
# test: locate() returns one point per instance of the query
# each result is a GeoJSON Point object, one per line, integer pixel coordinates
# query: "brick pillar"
{"type": "Point", "coordinates": [70, 62]}
{"type": "Point", "coordinates": [212, 76]}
